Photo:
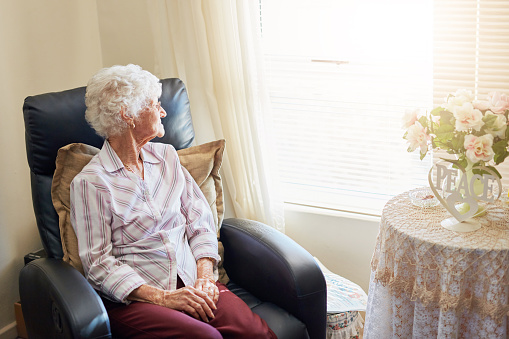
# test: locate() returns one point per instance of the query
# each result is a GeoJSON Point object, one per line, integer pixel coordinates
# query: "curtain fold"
{"type": "Point", "coordinates": [214, 47]}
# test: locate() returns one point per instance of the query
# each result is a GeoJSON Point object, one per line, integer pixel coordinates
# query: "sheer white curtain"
{"type": "Point", "coordinates": [213, 46]}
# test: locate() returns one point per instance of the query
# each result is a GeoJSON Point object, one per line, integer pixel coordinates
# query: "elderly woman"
{"type": "Point", "coordinates": [145, 232]}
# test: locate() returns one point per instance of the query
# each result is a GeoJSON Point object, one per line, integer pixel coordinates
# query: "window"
{"type": "Point", "coordinates": [341, 74]}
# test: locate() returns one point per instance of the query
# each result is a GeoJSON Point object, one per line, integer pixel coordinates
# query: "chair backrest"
{"type": "Point", "coordinates": [53, 120]}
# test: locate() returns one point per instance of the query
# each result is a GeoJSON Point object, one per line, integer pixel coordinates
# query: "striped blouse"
{"type": "Point", "coordinates": [132, 231]}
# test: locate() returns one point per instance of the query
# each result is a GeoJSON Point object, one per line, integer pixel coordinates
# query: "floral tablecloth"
{"type": "Point", "coordinates": [344, 325]}
{"type": "Point", "coordinates": [429, 282]}
{"type": "Point", "coordinates": [344, 301]}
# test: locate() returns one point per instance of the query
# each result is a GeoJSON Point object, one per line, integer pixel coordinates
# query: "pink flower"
{"type": "Point", "coordinates": [482, 105]}
{"type": "Point", "coordinates": [499, 102]}
{"type": "Point", "coordinates": [479, 148]}
{"type": "Point", "coordinates": [417, 137]}
{"type": "Point", "coordinates": [410, 117]}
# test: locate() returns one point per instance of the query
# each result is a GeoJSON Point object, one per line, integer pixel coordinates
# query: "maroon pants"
{"type": "Point", "coordinates": [232, 319]}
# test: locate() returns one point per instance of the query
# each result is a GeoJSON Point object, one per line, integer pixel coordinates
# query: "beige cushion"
{"type": "Point", "coordinates": [203, 163]}
{"type": "Point", "coordinates": [70, 161]}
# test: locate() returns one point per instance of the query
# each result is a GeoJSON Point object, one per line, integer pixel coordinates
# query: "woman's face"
{"type": "Point", "coordinates": [148, 123]}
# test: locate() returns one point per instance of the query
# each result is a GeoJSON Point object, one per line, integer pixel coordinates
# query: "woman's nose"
{"type": "Point", "coordinates": [162, 112]}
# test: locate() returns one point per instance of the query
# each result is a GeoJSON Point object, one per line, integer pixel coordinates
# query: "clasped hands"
{"type": "Point", "coordinates": [199, 300]}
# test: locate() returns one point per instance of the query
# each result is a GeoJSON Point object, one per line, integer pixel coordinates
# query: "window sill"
{"type": "Point", "coordinates": [293, 207]}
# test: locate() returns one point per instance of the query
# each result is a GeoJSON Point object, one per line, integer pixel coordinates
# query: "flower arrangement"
{"type": "Point", "coordinates": [475, 130]}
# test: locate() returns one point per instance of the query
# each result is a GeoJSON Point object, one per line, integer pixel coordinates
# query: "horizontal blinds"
{"type": "Point", "coordinates": [454, 47]}
{"type": "Point", "coordinates": [471, 50]}
{"type": "Point", "coordinates": [337, 111]}
{"type": "Point", "coordinates": [493, 50]}
{"type": "Point", "coordinates": [471, 47]}
{"type": "Point", "coordinates": [339, 135]}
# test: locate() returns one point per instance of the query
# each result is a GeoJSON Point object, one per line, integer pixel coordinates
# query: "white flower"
{"type": "Point", "coordinates": [410, 117]}
{"type": "Point", "coordinates": [417, 137]}
{"type": "Point", "coordinates": [479, 148]}
{"type": "Point", "coordinates": [499, 126]}
{"type": "Point", "coordinates": [457, 99]}
{"type": "Point", "coordinates": [467, 117]}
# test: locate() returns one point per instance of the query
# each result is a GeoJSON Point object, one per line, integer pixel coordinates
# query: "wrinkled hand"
{"type": "Point", "coordinates": [191, 300]}
{"type": "Point", "coordinates": [206, 285]}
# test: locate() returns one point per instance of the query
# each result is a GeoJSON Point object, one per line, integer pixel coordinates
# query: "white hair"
{"type": "Point", "coordinates": [114, 88]}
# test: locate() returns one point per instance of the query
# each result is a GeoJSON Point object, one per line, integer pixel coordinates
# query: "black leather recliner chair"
{"type": "Point", "coordinates": [275, 276]}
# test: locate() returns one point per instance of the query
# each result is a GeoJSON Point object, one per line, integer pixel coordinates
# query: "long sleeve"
{"type": "Point", "coordinates": [91, 219]}
{"type": "Point", "coordinates": [200, 228]}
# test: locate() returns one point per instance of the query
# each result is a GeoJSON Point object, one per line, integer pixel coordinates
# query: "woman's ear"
{"type": "Point", "coordinates": [126, 117]}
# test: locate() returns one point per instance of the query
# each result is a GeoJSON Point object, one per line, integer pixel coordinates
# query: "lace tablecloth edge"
{"type": "Point", "coordinates": [443, 300]}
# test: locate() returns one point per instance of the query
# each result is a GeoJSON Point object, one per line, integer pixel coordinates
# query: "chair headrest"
{"type": "Point", "coordinates": [53, 120]}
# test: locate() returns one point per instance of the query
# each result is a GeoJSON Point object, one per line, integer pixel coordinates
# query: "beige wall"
{"type": "Point", "coordinates": [44, 46]}
{"type": "Point", "coordinates": [126, 35]}
{"type": "Point", "coordinates": [343, 242]}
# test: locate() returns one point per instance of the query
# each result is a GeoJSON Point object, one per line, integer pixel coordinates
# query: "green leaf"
{"type": "Point", "coordinates": [500, 157]}
{"type": "Point", "coordinates": [437, 111]}
{"type": "Point", "coordinates": [495, 170]}
{"type": "Point", "coordinates": [444, 128]}
{"type": "Point", "coordinates": [463, 162]}
{"type": "Point", "coordinates": [446, 118]}
{"type": "Point", "coordinates": [423, 154]}
{"type": "Point", "coordinates": [500, 146]}
{"type": "Point", "coordinates": [457, 163]}
{"type": "Point", "coordinates": [445, 139]}
{"type": "Point", "coordinates": [479, 171]}
{"type": "Point", "coordinates": [458, 141]}
{"type": "Point", "coordinates": [452, 161]}
{"type": "Point", "coordinates": [423, 121]}
{"type": "Point", "coordinates": [483, 171]}
{"type": "Point", "coordinates": [489, 119]}
{"type": "Point", "coordinates": [444, 135]}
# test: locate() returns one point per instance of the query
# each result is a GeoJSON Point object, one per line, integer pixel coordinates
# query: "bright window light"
{"type": "Point", "coordinates": [341, 74]}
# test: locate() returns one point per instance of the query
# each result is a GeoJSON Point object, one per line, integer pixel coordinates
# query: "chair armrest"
{"type": "Point", "coordinates": [275, 268]}
{"type": "Point", "coordinates": [58, 302]}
